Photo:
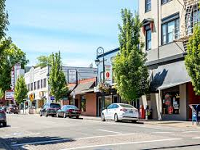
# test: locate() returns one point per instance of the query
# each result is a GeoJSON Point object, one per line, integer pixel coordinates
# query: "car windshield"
{"type": "Point", "coordinates": [72, 107]}
{"type": "Point", "coordinates": [54, 105]}
{"type": "Point", "coordinates": [126, 106]}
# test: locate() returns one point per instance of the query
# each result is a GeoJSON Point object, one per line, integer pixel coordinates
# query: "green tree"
{"type": "Point", "coordinates": [192, 60]}
{"type": "Point", "coordinates": [1, 93]}
{"type": "Point", "coordinates": [130, 72]}
{"type": "Point", "coordinates": [20, 90]}
{"type": "Point", "coordinates": [3, 19]}
{"type": "Point", "coordinates": [10, 55]}
{"type": "Point", "coordinates": [57, 79]}
{"type": "Point", "coordinates": [44, 61]}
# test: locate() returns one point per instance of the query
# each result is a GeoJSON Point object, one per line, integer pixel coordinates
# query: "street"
{"type": "Point", "coordinates": [34, 132]}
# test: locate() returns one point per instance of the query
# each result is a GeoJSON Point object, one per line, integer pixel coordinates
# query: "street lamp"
{"type": "Point", "coordinates": [100, 52]}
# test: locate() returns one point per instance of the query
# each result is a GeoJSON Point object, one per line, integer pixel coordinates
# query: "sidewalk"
{"type": "Point", "coordinates": [178, 124]}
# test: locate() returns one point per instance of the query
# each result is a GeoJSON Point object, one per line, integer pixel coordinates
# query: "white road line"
{"type": "Point", "coordinates": [41, 142]}
{"type": "Point", "coordinates": [190, 131]}
{"type": "Point", "coordinates": [109, 131]}
{"type": "Point", "coordinates": [125, 143]}
{"type": "Point", "coordinates": [196, 138]}
{"type": "Point", "coordinates": [162, 132]}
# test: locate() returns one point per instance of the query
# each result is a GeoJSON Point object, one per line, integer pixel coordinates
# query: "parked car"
{"type": "Point", "coordinates": [68, 111]}
{"type": "Point", "coordinates": [49, 109]}
{"type": "Point", "coordinates": [12, 108]}
{"type": "Point", "coordinates": [119, 112]}
{"type": "Point", "coordinates": [3, 118]}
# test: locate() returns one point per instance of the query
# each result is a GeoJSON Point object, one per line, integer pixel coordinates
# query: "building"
{"type": "Point", "coordinates": [166, 26]}
{"type": "Point", "coordinates": [39, 90]}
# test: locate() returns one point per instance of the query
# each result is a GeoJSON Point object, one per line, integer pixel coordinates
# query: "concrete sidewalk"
{"type": "Point", "coordinates": [179, 124]}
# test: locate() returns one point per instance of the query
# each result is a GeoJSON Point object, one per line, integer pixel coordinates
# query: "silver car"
{"type": "Point", "coordinates": [120, 111]}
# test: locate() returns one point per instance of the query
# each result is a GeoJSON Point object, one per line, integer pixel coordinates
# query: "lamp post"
{"type": "Point", "coordinates": [100, 52]}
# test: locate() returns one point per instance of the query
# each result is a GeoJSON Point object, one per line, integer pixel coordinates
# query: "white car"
{"type": "Point", "coordinates": [120, 111]}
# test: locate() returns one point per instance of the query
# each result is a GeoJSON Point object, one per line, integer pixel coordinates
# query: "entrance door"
{"type": "Point", "coordinates": [76, 103]}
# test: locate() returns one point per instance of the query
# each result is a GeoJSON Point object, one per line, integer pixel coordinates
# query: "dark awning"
{"type": "Point", "coordinates": [83, 87]}
{"type": "Point", "coordinates": [169, 75]}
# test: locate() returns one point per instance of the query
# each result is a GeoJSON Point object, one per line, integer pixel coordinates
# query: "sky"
{"type": "Point", "coordinates": [75, 27]}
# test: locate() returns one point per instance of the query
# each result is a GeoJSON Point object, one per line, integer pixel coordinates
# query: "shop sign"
{"type": "Point", "coordinates": [12, 78]}
{"type": "Point", "coordinates": [9, 95]}
{"type": "Point", "coordinates": [72, 76]}
{"type": "Point", "coordinates": [108, 73]}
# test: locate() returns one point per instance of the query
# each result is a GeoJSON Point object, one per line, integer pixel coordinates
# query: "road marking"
{"type": "Point", "coordinates": [109, 131]}
{"type": "Point", "coordinates": [162, 132]}
{"type": "Point", "coordinates": [196, 138]}
{"type": "Point", "coordinates": [42, 142]}
{"type": "Point", "coordinates": [191, 132]}
{"type": "Point", "coordinates": [125, 143]}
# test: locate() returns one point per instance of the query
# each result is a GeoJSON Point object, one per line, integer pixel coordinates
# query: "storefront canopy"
{"type": "Point", "coordinates": [83, 87]}
{"type": "Point", "coordinates": [169, 75]}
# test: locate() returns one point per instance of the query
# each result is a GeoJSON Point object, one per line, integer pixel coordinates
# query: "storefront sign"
{"type": "Point", "coordinates": [108, 73]}
{"type": "Point", "coordinates": [12, 78]}
{"type": "Point", "coordinates": [72, 76]}
{"type": "Point", "coordinates": [9, 95]}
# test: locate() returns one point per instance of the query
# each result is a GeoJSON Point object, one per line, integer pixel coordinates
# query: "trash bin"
{"type": "Point", "coordinates": [195, 113]}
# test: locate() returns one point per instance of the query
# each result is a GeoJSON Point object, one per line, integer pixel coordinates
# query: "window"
{"type": "Point", "coordinates": [147, 5]}
{"type": "Point", "coordinates": [192, 20]}
{"type": "Point", "coordinates": [38, 84]}
{"type": "Point", "coordinates": [41, 83]}
{"type": "Point", "coordinates": [165, 1]}
{"type": "Point", "coordinates": [45, 83]}
{"type": "Point", "coordinates": [34, 85]}
{"type": "Point", "coordinates": [83, 104]}
{"type": "Point", "coordinates": [148, 38]}
{"type": "Point", "coordinates": [170, 31]}
{"type": "Point", "coordinates": [31, 86]}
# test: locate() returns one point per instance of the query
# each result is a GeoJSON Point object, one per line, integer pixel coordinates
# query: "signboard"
{"type": "Point", "coordinates": [9, 95]}
{"type": "Point", "coordinates": [108, 73]}
{"type": "Point", "coordinates": [72, 76]}
{"type": "Point", "coordinates": [31, 97]}
{"type": "Point", "coordinates": [13, 78]}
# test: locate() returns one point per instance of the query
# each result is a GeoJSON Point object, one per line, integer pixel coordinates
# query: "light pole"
{"type": "Point", "coordinates": [100, 52]}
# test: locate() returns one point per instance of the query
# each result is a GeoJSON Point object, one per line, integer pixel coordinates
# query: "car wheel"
{"type": "Point", "coordinates": [77, 117]}
{"type": "Point", "coordinates": [134, 121]}
{"type": "Point", "coordinates": [103, 117]}
{"type": "Point", "coordinates": [64, 116]}
{"type": "Point", "coordinates": [40, 114]}
{"type": "Point", "coordinates": [116, 118]}
{"type": "Point", "coordinates": [5, 124]}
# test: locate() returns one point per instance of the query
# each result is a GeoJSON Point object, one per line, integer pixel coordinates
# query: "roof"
{"type": "Point", "coordinates": [84, 87]}
{"type": "Point", "coordinates": [108, 52]}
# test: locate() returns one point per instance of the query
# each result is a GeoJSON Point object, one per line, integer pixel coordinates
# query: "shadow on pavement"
{"type": "Point", "coordinates": [18, 143]}
{"type": "Point", "coordinates": [174, 147]}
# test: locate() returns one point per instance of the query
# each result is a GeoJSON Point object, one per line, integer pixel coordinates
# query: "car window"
{"type": "Point", "coordinates": [126, 106]}
{"type": "Point", "coordinates": [55, 105]}
{"type": "Point", "coordinates": [115, 106]}
{"type": "Point", "coordinates": [110, 106]}
{"type": "Point", "coordinates": [72, 107]}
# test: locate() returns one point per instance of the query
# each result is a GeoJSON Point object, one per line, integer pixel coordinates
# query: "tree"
{"type": "Point", "coordinates": [130, 72]}
{"type": "Point", "coordinates": [1, 93]}
{"type": "Point", "coordinates": [20, 90]}
{"type": "Point", "coordinates": [57, 79]}
{"type": "Point", "coordinates": [3, 19]}
{"type": "Point", "coordinates": [192, 60]}
{"type": "Point", "coordinates": [10, 55]}
{"type": "Point", "coordinates": [44, 61]}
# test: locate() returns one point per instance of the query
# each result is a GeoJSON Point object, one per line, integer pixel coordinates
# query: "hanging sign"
{"type": "Point", "coordinates": [108, 73]}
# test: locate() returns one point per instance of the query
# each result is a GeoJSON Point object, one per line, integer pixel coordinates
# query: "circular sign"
{"type": "Point", "coordinates": [107, 74]}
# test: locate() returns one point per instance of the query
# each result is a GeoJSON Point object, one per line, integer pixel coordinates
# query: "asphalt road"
{"type": "Point", "coordinates": [50, 133]}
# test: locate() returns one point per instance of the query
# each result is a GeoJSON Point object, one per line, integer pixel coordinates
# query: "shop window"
{"type": "Point", "coordinates": [171, 103]}
{"type": "Point", "coordinates": [83, 104]}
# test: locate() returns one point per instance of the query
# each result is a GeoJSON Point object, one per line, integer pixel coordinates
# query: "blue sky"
{"type": "Point", "coordinates": [75, 27]}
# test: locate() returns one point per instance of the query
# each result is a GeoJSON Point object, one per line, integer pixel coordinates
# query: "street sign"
{"type": "Point", "coordinates": [52, 98]}
{"type": "Point", "coordinates": [9, 95]}
{"type": "Point", "coordinates": [31, 97]}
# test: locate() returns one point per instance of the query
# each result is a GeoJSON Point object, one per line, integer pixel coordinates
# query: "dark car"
{"type": "Point", "coordinates": [68, 111]}
{"type": "Point", "coordinates": [49, 109]}
{"type": "Point", "coordinates": [3, 117]}
{"type": "Point", "coordinates": [12, 109]}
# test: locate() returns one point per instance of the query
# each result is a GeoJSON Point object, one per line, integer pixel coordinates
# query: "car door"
{"type": "Point", "coordinates": [113, 111]}
{"type": "Point", "coordinates": [108, 112]}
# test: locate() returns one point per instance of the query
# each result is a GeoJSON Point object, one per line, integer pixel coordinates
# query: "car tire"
{"type": "Point", "coordinates": [77, 117]}
{"type": "Point", "coordinates": [103, 117]}
{"type": "Point", "coordinates": [64, 116]}
{"type": "Point", "coordinates": [116, 118]}
{"type": "Point", "coordinates": [40, 114]}
{"type": "Point", "coordinates": [5, 124]}
{"type": "Point", "coordinates": [134, 121]}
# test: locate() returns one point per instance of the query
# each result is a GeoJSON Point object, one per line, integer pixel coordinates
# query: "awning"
{"type": "Point", "coordinates": [84, 87]}
{"type": "Point", "coordinates": [169, 75]}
